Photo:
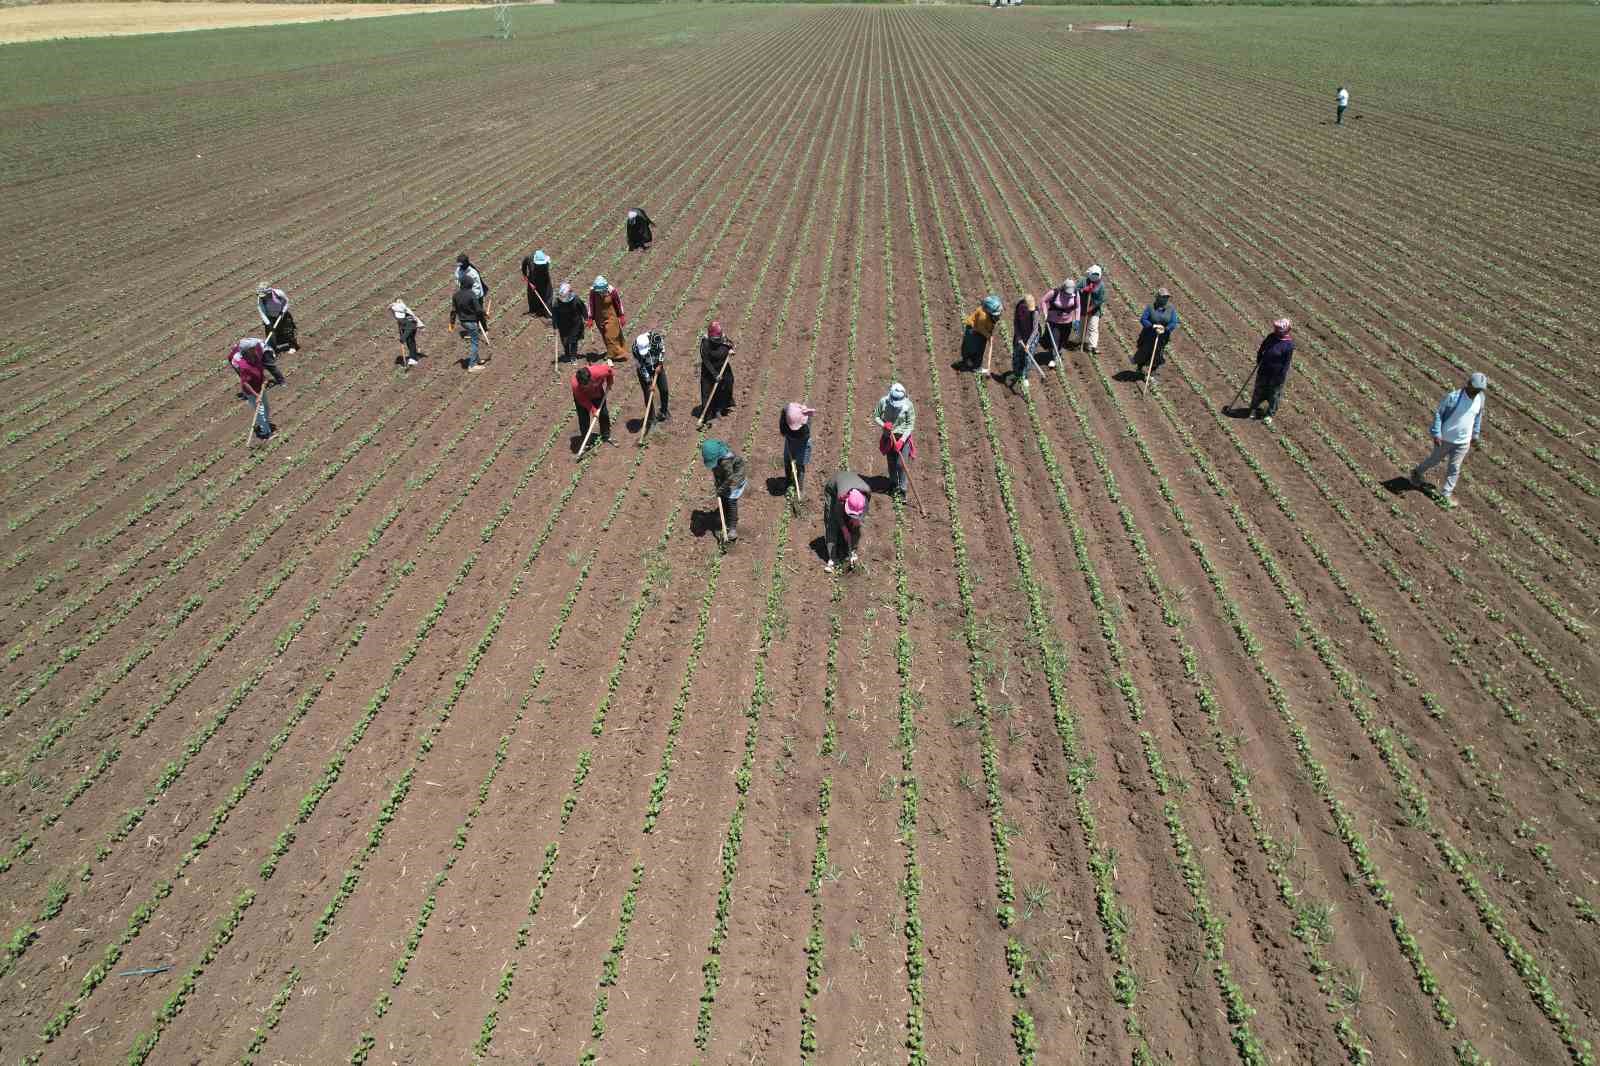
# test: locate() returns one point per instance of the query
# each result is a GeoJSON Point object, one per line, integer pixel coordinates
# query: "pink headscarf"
{"type": "Point", "coordinates": [1282, 326]}
{"type": "Point", "coordinates": [855, 503]}
{"type": "Point", "coordinates": [796, 414]}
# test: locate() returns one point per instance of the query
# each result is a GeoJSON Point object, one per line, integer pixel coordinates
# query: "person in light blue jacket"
{"type": "Point", "coordinates": [1457, 425]}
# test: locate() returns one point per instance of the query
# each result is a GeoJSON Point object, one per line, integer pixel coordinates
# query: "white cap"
{"type": "Point", "coordinates": [633, 214]}
{"type": "Point", "coordinates": [641, 343]}
{"type": "Point", "coordinates": [1095, 271]}
{"type": "Point", "coordinates": [399, 308]}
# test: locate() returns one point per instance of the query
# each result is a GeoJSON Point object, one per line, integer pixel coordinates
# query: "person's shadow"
{"type": "Point", "coordinates": [778, 486]}
{"type": "Point", "coordinates": [819, 548]}
{"type": "Point", "coordinates": [704, 522]}
{"type": "Point", "coordinates": [1401, 484]}
{"type": "Point", "coordinates": [1127, 375]}
{"type": "Point", "coordinates": [1235, 412]}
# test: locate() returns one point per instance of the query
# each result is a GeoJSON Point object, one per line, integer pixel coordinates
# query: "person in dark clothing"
{"type": "Point", "coordinates": [844, 498]}
{"type": "Point", "coordinates": [1026, 322]}
{"type": "Point", "coordinates": [649, 362]}
{"type": "Point", "coordinates": [246, 360]}
{"type": "Point", "coordinates": [407, 323]}
{"type": "Point", "coordinates": [468, 274]}
{"type": "Point", "coordinates": [1157, 325]}
{"type": "Point", "coordinates": [728, 475]}
{"type": "Point", "coordinates": [1272, 369]}
{"type": "Point", "coordinates": [273, 307]}
{"type": "Point", "coordinates": [639, 229]}
{"type": "Point", "coordinates": [716, 359]}
{"type": "Point", "coordinates": [591, 387]}
{"type": "Point", "coordinates": [466, 313]}
{"type": "Point", "coordinates": [536, 278]}
{"type": "Point", "coordinates": [794, 425]}
{"type": "Point", "coordinates": [570, 316]}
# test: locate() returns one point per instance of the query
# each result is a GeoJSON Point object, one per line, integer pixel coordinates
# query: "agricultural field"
{"type": "Point", "coordinates": [1147, 734]}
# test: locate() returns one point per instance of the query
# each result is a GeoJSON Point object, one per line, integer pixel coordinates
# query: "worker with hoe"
{"type": "Point", "coordinates": [1026, 322]}
{"type": "Point", "coordinates": [536, 279]}
{"type": "Point", "coordinates": [1341, 101]}
{"type": "Point", "coordinates": [896, 415]}
{"type": "Point", "coordinates": [569, 319]}
{"type": "Point", "coordinates": [649, 362]}
{"type": "Point", "coordinates": [716, 373]}
{"type": "Point", "coordinates": [467, 315]}
{"type": "Point", "coordinates": [605, 311]}
{"type": "Point", "coordinates": [794, 426]}
{"type": "Point", "coordinates": [845, 498]}
{"type": "Point", "coordinates": [1091, 300]}
{"type": "Point", "coordinates": [977, 333]}
{"type": "Point", "coordinates": [407, 323]}
{"type": "Point", "coordinates": [1157, 325]}
{"type": "Point", "coordinates": [1457, 425]}
{"type": "Point", "coordinates": [273, 307]}
{"type": "Point", "coordinates": [1060, 306]}
{"type": "Point", "coordinates": [467, 274]}
{"type": "Point", "coordinates": [591, 386]}
{"type": "Point", "coordinates": [246, 358]}
{"type": "Point", "coordinates": [728, 477]}
{"type": "Point", "coordinates": [638, 227]}
{"type": "Point", "coordinates": [1273, 357]}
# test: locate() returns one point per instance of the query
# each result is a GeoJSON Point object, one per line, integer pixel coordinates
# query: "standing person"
{"type": "Point", "coordinates": [728, 476]}
{"type": "Point", "coordinates": [897, 415]}
{"type": "Point", "coordinates": [1091, 300]}
{"type": "Point", "coordinates": [1457, 425]}
{"type": "Point", "coordinates": [536, 278]}
{"type": "Point", "coordinates": [605, 311]}
{"type": "Point", "coordinates": [466, 273]}
{"type": "Point", "coordinates": [1060, 317]}
{"type": "Point", "coordinates": [407, 322]}
{"type": "Point", "coordinates": [845, 498]}
{"type": "Point", "coordinates": [273, 307]}
{"type": "Point", "coordinates": [466, 313]}
{"type": "Point", "coordinates": [650, 363]}
{"type": "Point", "coordinates": [591, 385]}
{"type": "Point", "coordinates": [245, 358]}
{"type": "Point", "coordinates": [794, 426]}
{"type": "Point", "coordinates": [977, 332]}
{"type": "Point", "coordinates": [638, 227]}
{"type": "Point", "coordinates": [570, 317]}
{"type": "Point", "coordinates": [716, 361]}
{"type": "Point", "coordinates": [1272, 369]}
{"type": "Point", "coordinates": [1025, 324]}
{"type": "Point", "coordinates": [1342, 101]}
{"type": "Point", "coordinates": [1157, 325]}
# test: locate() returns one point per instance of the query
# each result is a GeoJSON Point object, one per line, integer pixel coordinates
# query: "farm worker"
{"type": "Point", "coordinates": [794, 426]}
{"type": "Point", "coordinates": [273, 307]}
{"type": "Point", "coordinates": [407, 322]}
{"type": "Point", "coordinates": [1025, 324]}
{"type": "Point", "coordinates": [1091, 299]}
{"type": "Point", "coordinates": [1157, 325]}
{"type": "Point", "coordinates": [536, 275]}
{"type": "Point", "coordinates": [977, 331]}
{"type": "Point", "coordinates": [638, 229]}
{"type": "Point", "coordinates": [728, 475]}
{"type": "Point", "coordinates": [246, 360]}
{"type": "Point", "coordinates": [716, 372]}
{"type": "Point", "coordinates": [1457, 424]}
{"type": "Point", "coordinates": [845, 498]}
{"type": "Point", "coordinates": [649, 362]}
{"type": "Point", "coordinates": [480, 288]}
{"type": "Point", "coordinates": [1060, 313]}
{"type": "Point", "coordinates": [1272, 369]}
{"type": "Point", "coordinates": [605, 311]}
{"type": "Point", "coordinates": [897, 415]}
{"type": "Point", "coordinates": [1342, 102]}
{"type": "Point", "coordinates": [569, 319]}
{"type": "Point", "coordinates": [466, 313]}
{"type": "Point", "coordinates": [590, 387]}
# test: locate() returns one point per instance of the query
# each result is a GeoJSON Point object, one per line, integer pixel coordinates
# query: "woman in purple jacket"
{"type": "Point", "coordinates": [1272, 369]}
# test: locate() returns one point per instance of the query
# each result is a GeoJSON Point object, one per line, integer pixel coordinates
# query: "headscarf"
{"type": "Point", "coordinates": [991, 304]}
{"type": "Point", "coordinates": [855, 503]}
{"type": "Point", "coordinates": [540, 259]}
{"type": "Point", "coordinates": [714, 331]}
{"type": "Point", "coordinates": [1281, 326]}
{"type": "Point", "coordinates": [796, 414]}
{"type": "Point", "coordinates": [601, 284]}
{"type": "Point", "coordinates": [713, 451]}
{"type": "Point", "coordinates": [896, 394]}
{"type": "Point", "coordinates": [1095, 272]}
{"type": "Point", "coordinates": [565, 292]}
{"type": "Point", "coordinates": [632, 214]}
{"type": "Point", "coordinates": [400, 309]}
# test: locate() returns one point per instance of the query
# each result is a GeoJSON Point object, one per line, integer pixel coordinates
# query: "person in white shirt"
{"type": "Point", "coordinates": [1344, 102]}
{"type": "Point", "coordinates": [1457, 424]}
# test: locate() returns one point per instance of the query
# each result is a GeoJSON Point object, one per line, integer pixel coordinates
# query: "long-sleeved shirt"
{"type": "Point", "coordinates": [569, 316]}
{"type": "Point", "coordinates": [598, 299]}
{"type": "Point", "coordinates": [729, 475]}
{"type": "Point", "coordinates": [797, 436]}
{"type": "Point", "coordinates": [1166, 317]}
{"type": "Point", "coordinates": [408, 325]}
{"type": "Point", "coordinates": [1344, 98]}
{"type": "Point", "coordinates": [594, 393]}
{"type": "Point", "coordinates": [246, 360]}
{"type": "Point", "coordinates": [1275, 353]}
{"type": "Point", "coordinates": [647, 362]}
{"type": "Point", "coordinates": [270, 306]}
{"type": "Point", "coordinates": [980, 322]}
{"type": "Point", "coordinates": [466, 307]}
{"type": "Point", "coordinates": [1459, 417]}
{"type": "Point", "coordinates": [714, 352]}
{"type": "Point", "coordinates": [837, 487]}
{"type": "Point", "coordinates": [479, 288]}
{"type": "Point", "coordinates": [1060, 305]}
{"type": "Point", "coordinates": [1091, 296]}
{"type": "Point", "coordinates": [901, 416]}
{"type": "Point", "coordinates": [1024, 323]}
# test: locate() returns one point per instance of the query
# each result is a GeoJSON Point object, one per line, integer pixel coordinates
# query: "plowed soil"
{"type": "Point", "coordinates": [1145, 732]}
